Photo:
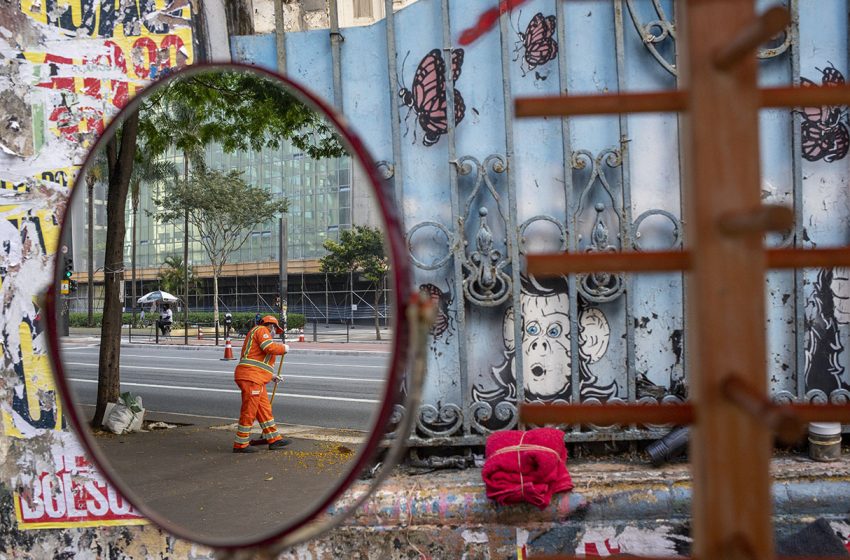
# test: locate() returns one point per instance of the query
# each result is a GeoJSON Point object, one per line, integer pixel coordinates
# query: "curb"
{"type": "Point", "coordinates": [607, 493]}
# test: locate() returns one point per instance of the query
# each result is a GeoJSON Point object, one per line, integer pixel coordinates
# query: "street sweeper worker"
{"type": "Point", "coordinates": [254, 370]}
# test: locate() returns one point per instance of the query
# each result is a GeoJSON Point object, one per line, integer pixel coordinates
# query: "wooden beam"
{"type": "Point", "coordinates": [725, 313]}
{"type": "Point", "coordinates": [554, 264]}
{"type": "Point", "coordinates": [808, 258]}
{"type": "Point", "coordinates": [807, 96]}
{"type": "Point", "coordinates": [603, 415]}
{"type": "Point", "coordinates": [551, 106]}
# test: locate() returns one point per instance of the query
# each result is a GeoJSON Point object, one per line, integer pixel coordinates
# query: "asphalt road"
{"type": "Point", "coordinates": [328, 390]}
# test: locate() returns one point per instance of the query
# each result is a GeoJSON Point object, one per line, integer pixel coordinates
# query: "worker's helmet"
{"type": "Point", "coordinates": [272, 320]}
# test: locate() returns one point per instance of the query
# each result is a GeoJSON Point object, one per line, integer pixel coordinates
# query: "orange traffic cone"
{"type": "Point", "coordinates": [228, 350]}
{"type": "Point", "coordinates": [301, 335]}
{"type": "Point", "coordinates": [200, 333]}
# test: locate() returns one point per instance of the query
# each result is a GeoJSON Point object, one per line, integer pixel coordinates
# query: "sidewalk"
{"type": "Point", "coordinates": [621, 504]}
{"type": "Point", "coordinates": [189, 473]}
{"type": "Point", "coordinates": [85, 335]}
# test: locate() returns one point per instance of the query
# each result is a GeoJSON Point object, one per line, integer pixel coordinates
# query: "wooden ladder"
{"type": "Point", "coordinates": [734, 421]}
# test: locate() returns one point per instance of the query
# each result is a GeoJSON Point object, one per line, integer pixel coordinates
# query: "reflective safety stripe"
{"type": "Point", "coordinates": [246, 439]}
{"type": "Point", "coordinates": [266, 344]}
{"type": "Point", "coordinates": [268, 424]}
{"type": "Point", "coordinates": [241, 428]}
{"type": "Point", "coordinates": [249, 341]}
{"type": "Point", "coordinates": [255, 363]}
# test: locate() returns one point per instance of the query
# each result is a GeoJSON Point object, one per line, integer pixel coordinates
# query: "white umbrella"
{"type": "Point", "coordinates": [157, 296]}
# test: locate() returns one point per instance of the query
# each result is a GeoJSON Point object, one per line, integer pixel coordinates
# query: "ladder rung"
{"type": "Point", "coordinates": [808, 258]}
{"type": "Point", "coordinates": [551, 106]}
{"type": "Point", "coordinates": [553, 264]}
{"type": "Point", "coordinates": [806, 96]}
{"type": "Point", "coordinates": [670, 101]}
{"type": "Point", "coordinates": [603, 415]}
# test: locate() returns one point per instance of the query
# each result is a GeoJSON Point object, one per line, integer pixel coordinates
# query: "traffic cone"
{"type": "Point", "coordinates": [228, 350]}
{"type": "Point", "coordinates": [200, 333]}
{"type": "Point", "coordinates": [301, 335]}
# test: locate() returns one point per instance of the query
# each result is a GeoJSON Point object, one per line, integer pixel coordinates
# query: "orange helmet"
{"type": "Point", "coordinates": [272, 320]}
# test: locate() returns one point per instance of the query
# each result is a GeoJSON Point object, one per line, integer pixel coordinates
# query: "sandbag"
{"type": "Point", "coordinates": [124, 416]}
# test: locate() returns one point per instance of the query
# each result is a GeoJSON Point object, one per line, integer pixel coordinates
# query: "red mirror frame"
{"type": "Point", "coordinates": [401, 284]}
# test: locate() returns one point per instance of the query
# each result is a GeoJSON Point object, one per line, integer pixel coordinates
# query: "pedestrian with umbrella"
{"type": "Point", "coordinates": [254, 370]}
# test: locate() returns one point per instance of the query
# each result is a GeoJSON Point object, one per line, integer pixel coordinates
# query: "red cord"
{"type": "Point", "coordinates": [487, 20]}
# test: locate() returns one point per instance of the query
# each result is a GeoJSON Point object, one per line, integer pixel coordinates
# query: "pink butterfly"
{"type": "Point", "coordinates": [427, 95]}
{"type": "Point", "coordinates": [538, 44]}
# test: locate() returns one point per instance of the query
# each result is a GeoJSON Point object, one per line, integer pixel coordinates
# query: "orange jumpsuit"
{"type": "Point", "coordinates": [254, 370]}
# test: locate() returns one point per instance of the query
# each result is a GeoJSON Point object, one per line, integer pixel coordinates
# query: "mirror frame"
{"type": "Point", "coordinates": [393, 393]}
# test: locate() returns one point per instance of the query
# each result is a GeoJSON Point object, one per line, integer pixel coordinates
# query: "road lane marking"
{"type": "Point", "coordinates": [211, 390]}
{"type": "Point", "coordinates": [219, 360]}
{"type": "Point", "coordinates": [286, 375]}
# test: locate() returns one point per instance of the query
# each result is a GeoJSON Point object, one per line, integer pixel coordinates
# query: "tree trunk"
{"type": "Point", "coordinates": [216, 272]}
{"type": "Point", "coordinates": [186, 256]}
{"type": "Point", "coordinates": [90, 185]}
{"type": "Point", "coordinates": [133, 254]}
{"type": "Point", "coordinates": [120, 161]}
{"type": "Point", "coordinates": [377, 313]}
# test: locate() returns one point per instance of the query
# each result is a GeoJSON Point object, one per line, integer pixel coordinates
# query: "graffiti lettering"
{"type": "Point", "coordinates": [71, 496]}
{"type": "Point", "coordinates": [100, 18]}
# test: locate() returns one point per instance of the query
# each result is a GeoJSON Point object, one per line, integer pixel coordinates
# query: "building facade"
{"type": "Point", "coordinates": [325, 197]}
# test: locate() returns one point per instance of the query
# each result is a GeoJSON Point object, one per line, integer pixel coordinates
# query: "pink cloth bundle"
{"type": "Point", "coordinates": [526, 466]}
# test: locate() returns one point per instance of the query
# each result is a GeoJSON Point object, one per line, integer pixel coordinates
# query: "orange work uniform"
{"type": "Point", "coordinates": [254, 370]}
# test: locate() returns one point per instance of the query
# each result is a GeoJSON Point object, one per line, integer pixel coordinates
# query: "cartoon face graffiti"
{"type": "Point", "coordinates": [546, 342]}
{"type": "Point", "coordinates": [840, 288]}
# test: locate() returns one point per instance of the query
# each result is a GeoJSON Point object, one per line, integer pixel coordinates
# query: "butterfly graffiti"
{"type": "Point", "coordinates": [443, 322]}
{"type": "Point", "coordinates": [427, 95]}
{"type": "Point", "coordinates": [825, 130]}
{"type": "Point", "coordinates": [537, 44]}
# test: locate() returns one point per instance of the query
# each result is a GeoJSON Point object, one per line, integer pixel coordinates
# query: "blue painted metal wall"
{"type": "Point", "coordinates": [479, 192]}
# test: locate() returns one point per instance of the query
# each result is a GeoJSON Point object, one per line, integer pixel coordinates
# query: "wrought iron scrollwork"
{"type": "Point", "coordinates": [449, 243]}
{"type": "Point", "coordinates": [481, 415]}
{"type": "Point", "coordinates": [444, 421]}
{"type": "Point", "coordinates": [656, 32]}
{"type": "Point", "coordinates": [677, 228]}
{"type": "Point", "coordinates": [485, 281]}
{"type": "Point", "coordinates": [599, 287]}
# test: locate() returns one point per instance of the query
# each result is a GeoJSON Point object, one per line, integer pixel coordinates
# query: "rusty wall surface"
{"type": "Point", "coordinates": [66, 67]}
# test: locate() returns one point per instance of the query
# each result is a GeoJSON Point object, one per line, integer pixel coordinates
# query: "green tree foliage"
{"type": "Point", "coordinates": [172, 277]}
{"type": "Point", "coordinates": [359, 250]}
{"type": "Point", "coordinates": [223, 210]}
{"type": "Point", "coordinates": [237, 109]}
{"type": "Point", "coordinates": [242, 111]}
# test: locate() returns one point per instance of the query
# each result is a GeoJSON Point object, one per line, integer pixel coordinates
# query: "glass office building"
{"type": "Point", "coordinates": [319, 193]}
{"type": "Point", "coordinates": [322, 202]}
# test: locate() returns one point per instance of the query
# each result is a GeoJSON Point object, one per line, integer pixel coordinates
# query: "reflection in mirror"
{"type": "Point", "coordinates": [222, 208]}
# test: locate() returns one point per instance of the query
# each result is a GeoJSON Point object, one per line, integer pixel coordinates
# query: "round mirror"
{"type": "Point", "coordinates": [227, 334]}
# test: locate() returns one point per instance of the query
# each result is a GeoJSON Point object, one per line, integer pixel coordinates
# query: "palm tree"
{"type": "Point", "coordinates": [97, 173]}
{"type": "Point", "coordinates": [148, 168]}
{"type": "Point", "coordinates": [178, 124]}
{"type": "Point", "coordinates": [172, 275]}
